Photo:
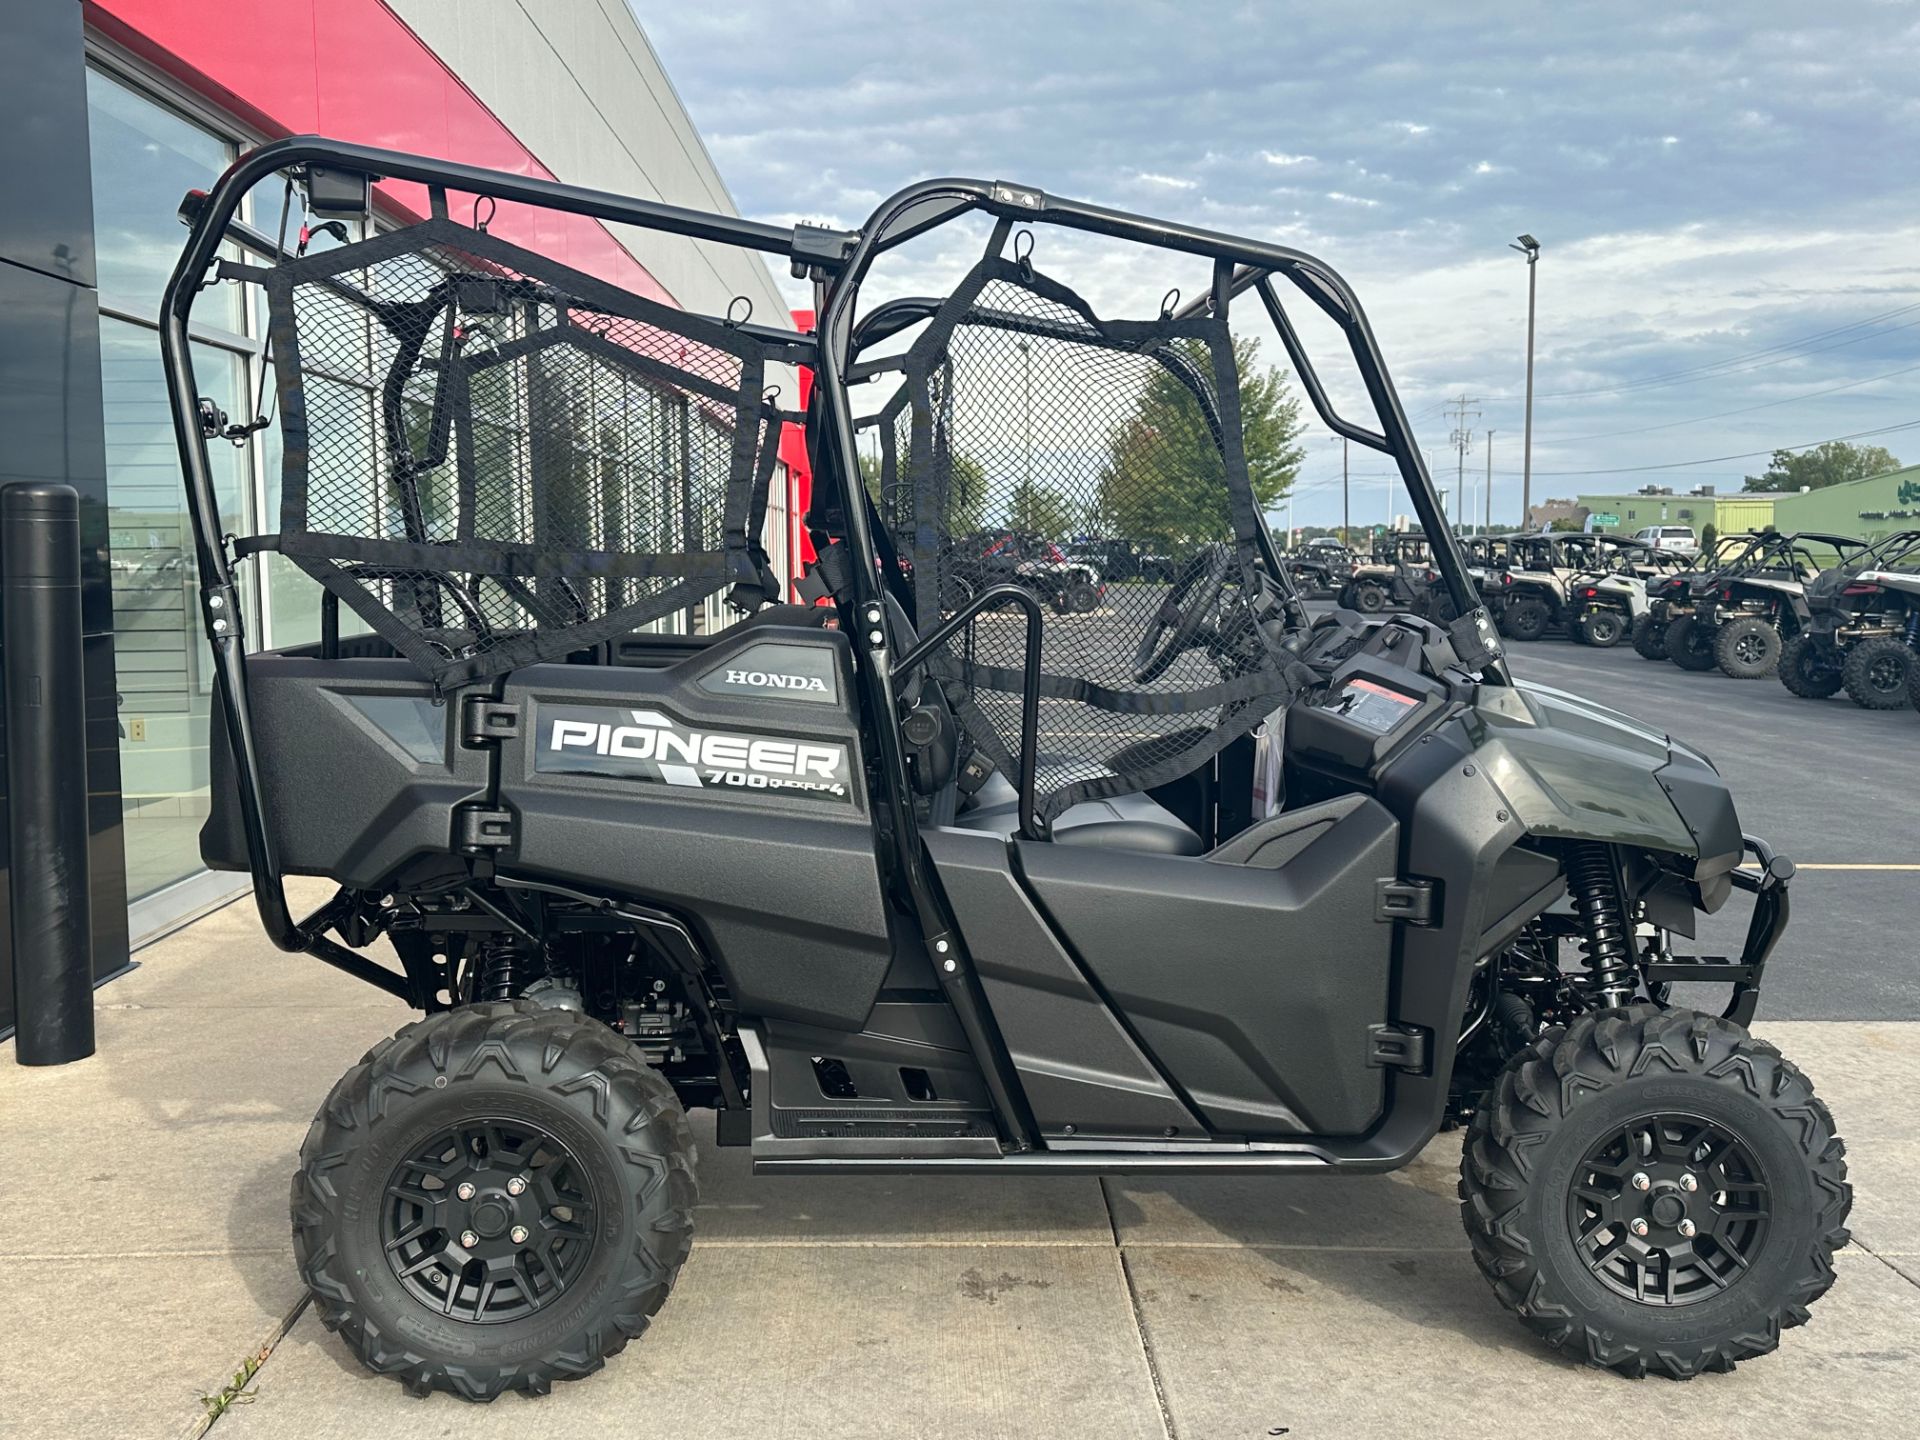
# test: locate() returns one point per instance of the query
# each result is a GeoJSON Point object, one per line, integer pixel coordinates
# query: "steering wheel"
{"type": "Point", "coordinates": [1177, 622]}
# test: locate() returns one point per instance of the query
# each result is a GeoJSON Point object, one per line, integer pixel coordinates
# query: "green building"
{"type": "Point", "coordinates": [1732, 513]}
{"type": "Point", "coordinates": [1869, 508]}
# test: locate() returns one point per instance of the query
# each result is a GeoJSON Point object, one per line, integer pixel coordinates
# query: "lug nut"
{"type": "Point", "coordinates": [1638, 1227]}
{"type": "Point", "coordinates": [519, 1234]}
{"type": "Point", "coordinates": [464, 1190]}
{"type": "Point", "coordinates": [1640, 1180]}
{"type": "Point", "coordinates": [517, 1184]}
{"type": "Point", "coordinates": [468, 1239]}
{"type": "Point", "coordinates": [1686, 1228]}
{"type": "Point", "coordinates": [1689, 1184]}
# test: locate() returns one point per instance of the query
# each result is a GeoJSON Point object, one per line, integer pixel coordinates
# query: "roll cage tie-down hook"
{"type": "Point", "coordinates": [1023, 257]}
{"type": "Point", "coordinates": [745, 315]}
{"type": "Point", "coordinates": [1169, 302]}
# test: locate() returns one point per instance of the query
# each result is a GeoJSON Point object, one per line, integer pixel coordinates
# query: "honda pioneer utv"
{"type": "Point", "coordinates": [1859, 633]}
{"type": "Point", "coordinates": [1193, 885]}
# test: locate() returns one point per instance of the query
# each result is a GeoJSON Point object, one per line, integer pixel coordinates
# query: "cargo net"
{"type": "Point", "coordinates": [1098, 465]}
{"type": "Point", "coordinates": [495, 460]}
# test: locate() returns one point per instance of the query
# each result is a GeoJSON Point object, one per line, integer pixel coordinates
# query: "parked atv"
{"type": "Point", "coordinates": [1858, 632]}
{"type": "Point", "coordinates": [1745, 617]}
{"type": "Point", "coordinates": [895, 884]}
{"type": "Point", "coordinates": [1398, 575]}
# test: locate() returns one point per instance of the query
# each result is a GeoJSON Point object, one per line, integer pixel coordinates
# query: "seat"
{"type": "Point", "coordinates": [1119, 822]}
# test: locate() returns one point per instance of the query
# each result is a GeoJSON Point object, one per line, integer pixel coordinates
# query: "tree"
{"type": "Point", "coordinates": [966, 492]}
{"type": "Point", "coordinates": [1709, 537]}
{"type": "Point", "coordinates": [1164, 480]}
{"type": "Point", "coordinates": [1833, 463]}
{"type": "Point", "coordinates": [1039, 510]}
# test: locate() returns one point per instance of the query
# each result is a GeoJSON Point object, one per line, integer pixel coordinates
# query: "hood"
{"type": "Point", "coordinates": [1575, 770]}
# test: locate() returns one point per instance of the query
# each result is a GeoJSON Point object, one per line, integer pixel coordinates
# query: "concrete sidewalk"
{"type": "Point", "coordinates": [143, 1229]}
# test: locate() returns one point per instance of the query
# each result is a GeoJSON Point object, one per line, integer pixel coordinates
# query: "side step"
{"type": "Point", "coordinates": [871, 1096]}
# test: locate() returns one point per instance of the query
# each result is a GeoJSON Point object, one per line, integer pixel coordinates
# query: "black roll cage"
{"type": "Point", "coordinates": [837, 262]}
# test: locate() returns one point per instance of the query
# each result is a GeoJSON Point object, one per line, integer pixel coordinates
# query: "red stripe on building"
{"type": "Point", "coordinates": [351, 70]}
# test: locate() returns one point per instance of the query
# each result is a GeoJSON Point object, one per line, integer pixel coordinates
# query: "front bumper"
{"type": "Point", "coordinates": [1767, 882]}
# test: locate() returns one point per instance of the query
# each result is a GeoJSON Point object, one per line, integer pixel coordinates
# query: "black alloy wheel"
{"type": "Point", "coordinates": [489, 1219]}
{"type": "Point", "coordinates": [1668, 1209]}
{"type": "Point", "coordinates": [1875, 673]}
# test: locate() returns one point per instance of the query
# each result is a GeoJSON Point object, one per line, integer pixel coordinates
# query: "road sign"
{"type": "Point", "coordinates": [1600, 517]}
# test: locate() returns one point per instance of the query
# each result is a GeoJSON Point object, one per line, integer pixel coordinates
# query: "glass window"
{"type": "Point", "coordinates": [145, 158]}
{"type": "Point", "coordinates": [163, 663]}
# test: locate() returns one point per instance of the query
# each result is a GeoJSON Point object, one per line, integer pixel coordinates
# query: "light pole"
{"type": "Point", "coordinates": [1529, 247]}
{"type": "Point", "coordinates": [1487, 525]}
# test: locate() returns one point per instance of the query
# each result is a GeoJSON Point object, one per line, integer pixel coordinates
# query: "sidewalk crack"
{"type": "Point", "coordinates": [1146, 1350]}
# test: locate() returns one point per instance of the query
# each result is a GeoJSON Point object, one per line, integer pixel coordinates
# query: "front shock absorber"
{"type": "Point", "coordinates": [1606, 941]}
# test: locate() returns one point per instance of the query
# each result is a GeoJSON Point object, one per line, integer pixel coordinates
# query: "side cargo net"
{"type": "Point", "coordinates": [1099, 464]}
{"type": "Point", "coordinates": [496, 460]}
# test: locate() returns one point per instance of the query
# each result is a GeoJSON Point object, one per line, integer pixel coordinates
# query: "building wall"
{"type": "Point", "coordinates": [160, 96]}
{"type": "Point", "coordinates": [1732, 513]}
{"type": "Point", "coordinates": [50, 408]}
{"type": "Point", "coordinates": [1869, 508]}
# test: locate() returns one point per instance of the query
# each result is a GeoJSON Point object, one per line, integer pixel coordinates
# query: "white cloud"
{"type": "Point", "coordinates": [1346, 199]}
{"type": "Point", "coordinates": [1172, 182]}
{"type": "Point", "coordinates": [1412, 128]}
{"type": "Point", "coordinates": [1669, 139]}
{"type": "Point", "coordinates": [1487, 167]}
{"type": "Point", "coordinates": [1277, 157]}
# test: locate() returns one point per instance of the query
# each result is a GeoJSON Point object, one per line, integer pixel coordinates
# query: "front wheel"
{"type": "Point", "coordinates": [1369, 599]}
{"type": "Point", "coordinates": [498, 1197]}
{"type": "Point", "coordinates": [1810, 668]}
{"type": "Point", "coordinates": [1690, 646]}
{"type": "Point", "coordinates": [1747, 648]}
{"type": "Point", "coordinates": [1876, 673]}
{"type": "Point", "coordinates": [1655, 1190]}
{"type": "Point", "coordinates": [1649, 638]}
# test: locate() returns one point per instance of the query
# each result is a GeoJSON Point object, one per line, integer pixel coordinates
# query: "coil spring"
{"type": "Point", "coordinates": [1913, 628]}
{"type": "Point", "coordinates": [1604, 941]}
{"type": "Point", "coordinates": [497, 957]}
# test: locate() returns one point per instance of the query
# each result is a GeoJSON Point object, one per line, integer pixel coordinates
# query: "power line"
{"type": "Point", "coordinates": [1743, 455]}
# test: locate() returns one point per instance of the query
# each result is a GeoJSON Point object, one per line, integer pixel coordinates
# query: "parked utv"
{"type": "Point", "coordinates": [895, 884]}
{"type": "Point", "coordinates": [1541, 571]}
{"type": "Point", "coordinates": [1397, 576]}
{"type": "Point", "coordinates": [1319, 571]}
{"type": "Point", "coordinates": [1670, 599]}
{"type": "Point", "coordinates": [1859, 632]}
{"type": "Point", "coordinates": [1070, 584]}
{"type": "Point", "coordinates": [1487, 557]}
{"type": "Point", "coordinates": [1743, 619]}
{"type": "Point", "coordinates": [1604, 605]}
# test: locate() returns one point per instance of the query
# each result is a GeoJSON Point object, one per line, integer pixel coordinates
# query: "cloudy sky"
{"type": "Point", "coordinates": [1728, 197]}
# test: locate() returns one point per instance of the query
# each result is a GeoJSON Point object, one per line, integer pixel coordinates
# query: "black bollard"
{"type": "Point", "coordinates": [46, 774]}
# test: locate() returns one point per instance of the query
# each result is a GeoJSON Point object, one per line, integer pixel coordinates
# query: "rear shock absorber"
{"type": "Point", "coordinates": [496, 968]}
{"type": "Point", "coordinates": [1606, 940]}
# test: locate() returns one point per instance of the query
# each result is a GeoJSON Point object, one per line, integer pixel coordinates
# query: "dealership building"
{"type": "Point", "coordinates": [112, 110]}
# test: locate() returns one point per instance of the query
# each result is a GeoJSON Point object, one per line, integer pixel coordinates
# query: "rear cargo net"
{"type": "Point", "coordinates": [496, 460]}
{"type": "Point", "coordinates": [1099, 465]}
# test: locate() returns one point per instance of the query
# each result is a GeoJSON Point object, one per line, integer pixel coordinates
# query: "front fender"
{"type": "Point", "coordinates": [1574, 770]}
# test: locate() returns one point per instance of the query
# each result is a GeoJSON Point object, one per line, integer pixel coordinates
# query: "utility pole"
{"type": "Point", "coordinates": [1487, 524]}
{"type": "Point", "coordinates": [1462, 439]}
{"type": "Point", "coordinates": [1529, 247]}
{"type": "Point", "coordinates": [1346, 496]}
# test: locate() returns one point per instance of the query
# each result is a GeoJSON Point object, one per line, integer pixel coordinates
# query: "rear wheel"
{"type": "Point", "coordinates": [1602, 628]}
{"type": "Point", "coordinates": [498, 1197]}
{"type": "Point", "coordinates": [1688, 647]}
{"type": "Point", "coordinates": [1747, 648]}
{"type": "Point", "coordinates": [1876, 673]}
{"type": "Point", "coordinates": [1082, 598]}
{"type": "Point", "coordinates": [1655, 1190]}
{"type": "Point", "coordinates": [1526, 619]}
{"type": "Point", "coordinates": [1369, 599]}
{"type": "Point", "coordinates": [1649, 638]}
{"type": "Point", "coordinates": [1809, 667]}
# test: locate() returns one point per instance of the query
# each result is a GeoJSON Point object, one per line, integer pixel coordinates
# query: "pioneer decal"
{"type": "Point", "coordinates": [775, 670]}
{"type": "Point", "coordinates": [650, 746]}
